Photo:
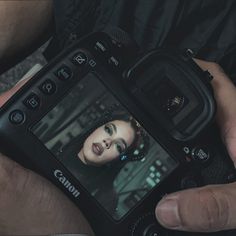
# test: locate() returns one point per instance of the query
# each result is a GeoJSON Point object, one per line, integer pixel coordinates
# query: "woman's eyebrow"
{"type": "Point", "coordinates": [122, 140]}
{"type": "Point", "coordinates": [114, 127]}
{"type": "Point", "coordinates": [125, 144]}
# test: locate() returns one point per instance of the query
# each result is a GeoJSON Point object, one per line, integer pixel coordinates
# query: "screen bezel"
{"type": "Point", "coordinates": [81, 186]}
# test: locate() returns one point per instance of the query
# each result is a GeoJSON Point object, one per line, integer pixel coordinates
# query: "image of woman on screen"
{"type": "Point", "coordinates": [96, 157]}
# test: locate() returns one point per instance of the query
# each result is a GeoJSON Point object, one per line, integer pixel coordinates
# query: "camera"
{"type": "Point", "coordinates": [116, 130]}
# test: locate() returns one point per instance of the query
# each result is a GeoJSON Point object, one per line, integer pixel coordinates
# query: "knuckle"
{"type": "Point", "coordinates": [215, 209]}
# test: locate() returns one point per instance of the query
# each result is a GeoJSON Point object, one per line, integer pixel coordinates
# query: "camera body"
{"type": "Point", "coordinates": [167, 95]}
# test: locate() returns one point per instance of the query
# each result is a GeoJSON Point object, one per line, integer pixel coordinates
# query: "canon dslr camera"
{"type": "Point", "coordinates": [116, 130]}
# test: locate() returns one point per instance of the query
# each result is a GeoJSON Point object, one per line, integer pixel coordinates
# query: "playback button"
{"type": "Point", "coordinates": [32, 101]}
{"type": "Point", "coordinates": [17, 117]}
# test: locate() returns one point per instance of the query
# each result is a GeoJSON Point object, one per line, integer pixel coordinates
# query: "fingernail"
{"type": "Point", "coordinates": [168, 214]}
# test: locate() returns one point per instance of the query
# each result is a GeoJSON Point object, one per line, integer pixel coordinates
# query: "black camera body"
{"type": "Point", "coordinates": [171, 101]}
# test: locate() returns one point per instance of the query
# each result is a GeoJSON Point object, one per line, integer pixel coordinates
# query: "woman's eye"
{"type": "Point", "coordinates": [119, 148]}
{"type": "Point", "coordinates": [108, 129]}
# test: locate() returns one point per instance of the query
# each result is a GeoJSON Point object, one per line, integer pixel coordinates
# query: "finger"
{"type": "Point", "coordinates": [225, 96]}
{"type": "Point", "coordinates": [37, 201]}
{"type": "Point", "coordinates": [207, 209]}
{"type": "Point", "coordinates": [224, 91]}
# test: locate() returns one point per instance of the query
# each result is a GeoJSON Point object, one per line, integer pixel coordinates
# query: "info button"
{"type": "Point", "coordinates": [17, 117]}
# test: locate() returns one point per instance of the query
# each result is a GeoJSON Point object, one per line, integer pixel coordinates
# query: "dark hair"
{"type": "Point", "coordinates": [100, 179]}
{"type": "Point", "coordinates": [140, 146]}
{"type": "Point", "coordinates": [136, 151]}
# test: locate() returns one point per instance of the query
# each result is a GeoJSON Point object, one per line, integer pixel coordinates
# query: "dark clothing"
{"type": "Point", "coordinates": [89, 176]}
{"type": "Point", "coordinates": [96, 180]}
{"type": "Point", "coordinates": [205, 26]}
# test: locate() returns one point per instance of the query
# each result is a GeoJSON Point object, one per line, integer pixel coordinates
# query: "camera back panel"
{"type": "Point", "coordinates": [72, 92]}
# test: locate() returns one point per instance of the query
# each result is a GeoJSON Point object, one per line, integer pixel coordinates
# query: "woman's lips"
{"type": "Point", "coordinates": [97, 148]}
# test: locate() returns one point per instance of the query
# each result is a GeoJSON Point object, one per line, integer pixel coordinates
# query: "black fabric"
{"type": "Point", "coordinates": [96, 180]}
{"type": "Point", "coordinates": [205, 26]}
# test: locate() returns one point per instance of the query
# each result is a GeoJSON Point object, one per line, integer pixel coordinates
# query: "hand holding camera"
{"type": "Point", "coordinates": [137, 221]}
{"type": "Point", "coordinates": [30, 204]}
{"type": "Point", "coordinates": [210, 208]}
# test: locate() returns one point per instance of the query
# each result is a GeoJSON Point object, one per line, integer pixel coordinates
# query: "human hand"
{"type": "Point", "coordinates": [225, 95]}
{"type": "Point", "coordinates": [211, 208]}
{"type": "Point", "coordinates": [31, 205]}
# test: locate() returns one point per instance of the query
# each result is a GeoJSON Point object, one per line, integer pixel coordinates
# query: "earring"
{"type": "Point", "coordinates": [123, 157]}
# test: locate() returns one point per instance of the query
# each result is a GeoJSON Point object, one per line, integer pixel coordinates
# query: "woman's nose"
{"type": "Point", "coordinates": [107, 143]}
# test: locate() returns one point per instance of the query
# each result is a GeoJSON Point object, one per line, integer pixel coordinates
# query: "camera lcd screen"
{"type": "Point", "coordinates": [104, 147]}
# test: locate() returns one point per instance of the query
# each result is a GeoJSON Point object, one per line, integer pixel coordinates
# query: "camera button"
{"type": "Point", "coordinates": [17, 117]}
{"type": "Point", "coordinates": [101, 47]}
{"type": "Point", "coordinates": [48, 87]}
{"type": "Point", "coordinates": [79, 59]}
{"type": "Point", "coordinates": [190, 182]}
{"type": "Point", "coordinates": [147, 226]}
{"type": "Point", "coordinates": [231, 176]}
{"type": "Point", "coordinates": [200, 154]}
{"type": "Point", "coordinates": [154, 230]}
{"type": "Point", "coordinates": [32, 101]}
{"type": "Point", "coordinates": [113, 61]}
{"type": "Point", "coordinates": [208, 76]}
{"type": "Point", "coordinates": [63, 73]}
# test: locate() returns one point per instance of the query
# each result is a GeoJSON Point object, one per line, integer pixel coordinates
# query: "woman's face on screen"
{"type": "Point", "coordinates": [107, 143]}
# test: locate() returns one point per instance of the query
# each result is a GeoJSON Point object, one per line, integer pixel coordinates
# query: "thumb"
{"type": "Point", "coordinates": [207, 209]}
